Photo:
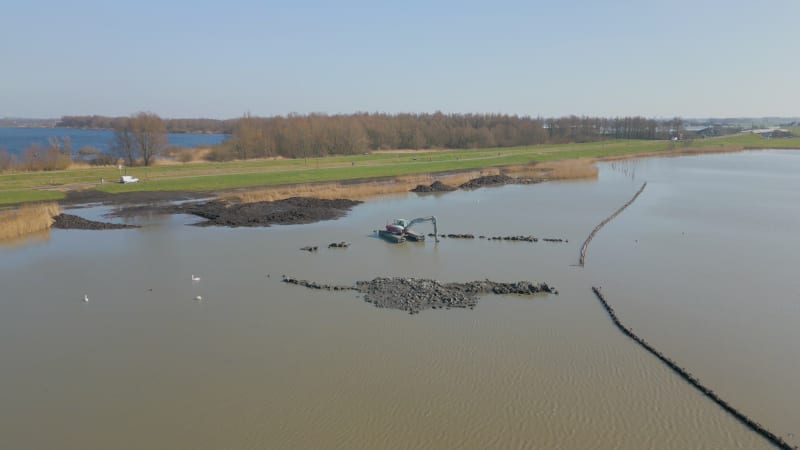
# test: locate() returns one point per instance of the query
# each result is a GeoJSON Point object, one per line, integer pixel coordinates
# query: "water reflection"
{"type": "Point", "coordinates": [37, 237]}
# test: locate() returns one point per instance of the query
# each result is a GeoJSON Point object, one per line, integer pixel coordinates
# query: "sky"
{"type": "Point", "coordinates": [176, 58]}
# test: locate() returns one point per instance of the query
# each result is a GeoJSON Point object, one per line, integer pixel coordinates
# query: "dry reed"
{"type": "Point", "coordinates": [26, 220]}
{"type": "Point", "coordinates": [79, 165]}
{"type": "Point", "coordinates": [721, 148]}
{"type": "Point", "coordinates": [185, 155]}
{"type": "Point", "coordinates": [568, 169]}
{"type": "Point", "coordinates": [360, 189]}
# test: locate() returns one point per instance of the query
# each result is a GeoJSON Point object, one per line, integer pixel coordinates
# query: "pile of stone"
{"type": "Point", "coordinates": [294, 210]}
{"type": "Point", "coordinates": [414, 294]}
{"type": "Point", "coordinates": [515, 238]}
{"type": "Point", "coordinates": [72, 222]}
{"type": "Point", "coordinates": [488, 180]}
{"type": "Point", "coordinates": [436, 186]}
{"type": "Point", "coordinates": [455, 236]}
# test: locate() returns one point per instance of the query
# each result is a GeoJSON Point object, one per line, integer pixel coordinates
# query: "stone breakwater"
{"type": "Point", "coordinates": [499, 238]}
{"type": "Point", "coordinates": [684, 373]}
{"type": "Point", "coordinates": [414, 295]}
{"type": "Point", "coordinates": [585, 245]}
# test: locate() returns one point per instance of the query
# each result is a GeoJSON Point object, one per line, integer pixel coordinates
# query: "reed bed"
{"type": "Point", "coordinates": [362, 189]}
{"type": "Point", "coordinates": [354, 190]}
{"type": "Point", "coordinates": [27, 219]}
{"type": "Point", "coordinates": [568, 169]}
{"type": "Point", "coordinates": [185, 155]}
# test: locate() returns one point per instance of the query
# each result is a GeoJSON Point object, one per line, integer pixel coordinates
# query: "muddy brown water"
{"type": "Point", "coordinates": [702, 265]}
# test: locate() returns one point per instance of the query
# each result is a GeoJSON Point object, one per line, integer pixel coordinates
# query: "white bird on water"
{"type": "Point", "coordinates": [198, 298]}
{"type": "Point", "coordinates": [85, 298]}
{"type": "Point", "coordinates": [194, 278]}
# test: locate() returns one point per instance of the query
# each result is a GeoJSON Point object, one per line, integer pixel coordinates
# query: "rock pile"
{"type": "Point", "coordinates": [456, 236]}
{"type": "Point", "coordinates": [514, 238]}
{"type": "Point", "coordinates": [488, 180]}
{"type": "Point", "coordinates": [414, 294]}
{"type": "Point", "coordinates": [294, 210]}
{"type": "Point", "coordinates": [71, 222]}
{"type": "Point", "coordinates": [436, 186]}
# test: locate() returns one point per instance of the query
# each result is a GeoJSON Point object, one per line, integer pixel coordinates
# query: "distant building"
{"type": "Point", "coordinates": [771, 132]}
{"type": "Point", "coordinates": [702, 130]}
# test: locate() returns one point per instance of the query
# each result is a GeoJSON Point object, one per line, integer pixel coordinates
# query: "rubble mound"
{"type": "Point", "coordinates": [488, 180]}
{"type": "Point", "coordinates": [294, 210]}
{"type": "Point", "coordinates": [72, 222]}
{"type": "Point", "coordinates": [436, 186]}
{"type": "Point", "coordinates": [416, 294]}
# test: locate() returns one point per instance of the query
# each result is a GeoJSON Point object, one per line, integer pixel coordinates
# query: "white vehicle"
{"type": "Point", "coordinates": [125, 179]}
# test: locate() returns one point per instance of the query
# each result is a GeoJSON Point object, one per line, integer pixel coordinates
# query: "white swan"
{"type": "Point", "coordinates": [198, 298]}
{"type": "Point", "coordinates": [85, 298]}
{"type": "Point", "coordinates": [194, 278]}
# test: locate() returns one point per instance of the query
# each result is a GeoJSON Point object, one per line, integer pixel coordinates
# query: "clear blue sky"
{"type": "Point", "coordinates": [222, 59]}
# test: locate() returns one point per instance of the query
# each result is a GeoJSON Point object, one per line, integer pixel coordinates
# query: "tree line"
{"type": "Point", "coordinates": [199, 125]}
{"type": "Point", "coordinates": [314, 135]}
{"type": "Point", "coordinates": [141, 138]}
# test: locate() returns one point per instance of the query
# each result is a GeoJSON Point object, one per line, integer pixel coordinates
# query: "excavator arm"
{"type": "Point", "coordinates": [431, 219]}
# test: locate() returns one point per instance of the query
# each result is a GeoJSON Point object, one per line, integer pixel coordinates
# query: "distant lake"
{"type": "Point", "coordinates": [15, 140]}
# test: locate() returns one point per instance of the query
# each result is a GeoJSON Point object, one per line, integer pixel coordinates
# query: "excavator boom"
{"type": "Point", "coordinates": [431, 219]}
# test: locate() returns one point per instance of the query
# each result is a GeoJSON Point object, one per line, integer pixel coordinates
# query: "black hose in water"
{"type": "Point", "coordinates": [683, 373]}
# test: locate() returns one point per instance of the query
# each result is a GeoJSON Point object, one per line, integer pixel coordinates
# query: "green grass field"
{"type": "Point", "coordinates": [34, 186]}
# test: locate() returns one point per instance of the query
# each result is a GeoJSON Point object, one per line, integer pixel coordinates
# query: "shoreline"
{"type": "Point", "coordinates": [567, 168]}
{"type": "Point", "coordinates": [364, 188]}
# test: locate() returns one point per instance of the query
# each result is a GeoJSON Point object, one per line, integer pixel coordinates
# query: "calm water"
{"type": "Point", "coordinates": [15, 140]}
{"type": "Point", "coordinates": [703, 265]}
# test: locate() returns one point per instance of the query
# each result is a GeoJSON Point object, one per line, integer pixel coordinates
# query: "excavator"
{"type": "Point", "coordinates": [399, 230]}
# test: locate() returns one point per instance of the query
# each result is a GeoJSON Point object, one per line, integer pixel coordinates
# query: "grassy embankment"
{"type": "Point", "coordinates": [35, 186]}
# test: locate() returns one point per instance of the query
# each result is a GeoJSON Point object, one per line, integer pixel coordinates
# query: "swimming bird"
{"type": "Point", "coordinates": [198, 298]}
{"type": "Point", "coordinates": [194, 278]}
{"type": "Point", "coordinates": [85, 298]}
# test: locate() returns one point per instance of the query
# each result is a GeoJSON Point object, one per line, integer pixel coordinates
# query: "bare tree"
{"type": "Point", "coordinates": [141, 136]}
{"type": "Point", "coordinates": [150, 135]}
{"type": "Point", "coordinates": [7, 160]}
{"type": "Point", "coordinates": [124, 145]}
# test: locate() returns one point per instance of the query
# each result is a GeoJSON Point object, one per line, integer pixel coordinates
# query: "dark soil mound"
{"type": "Point", "coordinates": [70, 222]}
{"type": "Point", "coordinates": [436, 186]}
{"type": "Point", "coordinates": [414, 295]}
{"type": "Point", "coordinates": [488, 180]}
{"type": "Point", "coordinates": [295, 210]}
